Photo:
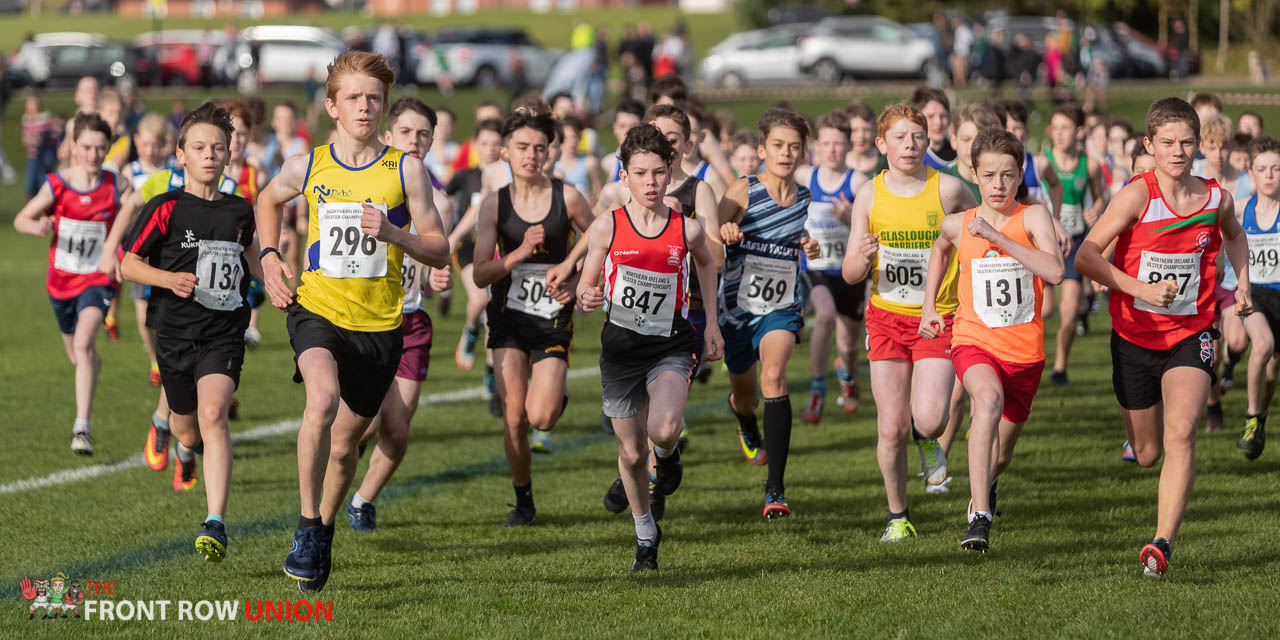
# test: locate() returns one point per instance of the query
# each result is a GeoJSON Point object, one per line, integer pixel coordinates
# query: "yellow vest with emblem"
{"type": "Point", "coordinates": [355, 303]}
{"type": "Point", "coordinates": [906, 228]}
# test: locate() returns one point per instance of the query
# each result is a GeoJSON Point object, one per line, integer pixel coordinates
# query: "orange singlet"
{"type": "Point", "coordinates": [1000, 298]}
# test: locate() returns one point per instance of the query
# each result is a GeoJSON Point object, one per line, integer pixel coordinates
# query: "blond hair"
{"type": "Point", "coordinates": [156, 126]}
{"type": "Point", "coordinates": [359, 63]}
{"type": "Point", "coordinates": [1216, 129]}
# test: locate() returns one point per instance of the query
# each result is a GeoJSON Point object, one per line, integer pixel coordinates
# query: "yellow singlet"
{"type": "Point", "coordinates": [907, 228]}
{"type": "Point", "coordinates": [351, 279]}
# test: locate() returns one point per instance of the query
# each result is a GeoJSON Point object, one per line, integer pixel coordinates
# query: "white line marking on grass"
{"type": "Point", "coordinates": [257, 433]}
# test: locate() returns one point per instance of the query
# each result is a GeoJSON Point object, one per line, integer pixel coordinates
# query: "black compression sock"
{"type": "Point", "coordinates": [524, 497]}
{"type": "Point", "coordinates": [777, 437]}
{"type": "Point", "coordinates": [747, 423]}
{"type": "Point", "coordinates": [1233, 357]}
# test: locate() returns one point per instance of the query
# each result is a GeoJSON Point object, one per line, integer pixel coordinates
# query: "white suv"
{"type": "Point", "coordinates": [864, 46]}
{"type": "Point", "coordinates": [280, 54]}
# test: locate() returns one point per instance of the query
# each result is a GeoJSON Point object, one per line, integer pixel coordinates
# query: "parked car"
{"type": "Point", "coordinates": [62, 58]}
{"type": "Point", "coordinates": [183, 56]}
{"type": "Point", "coordinates": [279, 54]}
{"type": "Point", "coordinates": [864, 46]}
{"type": "Point", "coordinates": [753, 57]}
{"type": "Point", "coordinates": [485, 57]}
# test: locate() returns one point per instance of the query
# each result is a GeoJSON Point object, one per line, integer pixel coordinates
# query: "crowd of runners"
{"type": "Point", "coordinates": [925, 239]}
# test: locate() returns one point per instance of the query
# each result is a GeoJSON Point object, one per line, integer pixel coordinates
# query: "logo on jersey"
{"type": "Point", "coordinates": [325, 192]}
{"type": "Point", "coordinates": [675, 258]}
{"type": "Point", "coordinates": [991, 253]}
{"type": "Point", "coordinates": [1202, 240]}
{"type": "Point", "coordinates": [85, 199]}
{"type": "Point", "coordinates": [933, 218]}
{"type": "Point", "coordinates": [189, 240]}
{"type": "Point", "coordinates": [390, 163]}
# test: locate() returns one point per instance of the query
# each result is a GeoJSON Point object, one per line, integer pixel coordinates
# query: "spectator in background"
{"type": "Point", "coordinates": [468, 157]}
{"type": "Point", "coordinates": [582, 36]}
{"type": "Point", "coordinates": [176, 112]}
{"type": "Point", "coordinates": [1023, 65]}
{"type": "Point", "coordinates": [995, 63]}
{"type": "Point", "coordinates": [599, 71]}
{"type": "Point", "coordinates": [1250, 123]}
{"type": "Point", "coordinates": [41, 135]}
{"type": "Point", "coordinates": [7, 172]}
{"type": "Point", "coordinates": [386, 42]}
{"type": "Point", "coordinates": [1181, 43]}
{"type": "Point", "coordinates": [1054, 73]}
{"type": "Point", "coordinates": [962, 46]}
{"type": "Point", "coordinates": [443, 149]}
{"type": "Point", "coordinates": [943, 38]}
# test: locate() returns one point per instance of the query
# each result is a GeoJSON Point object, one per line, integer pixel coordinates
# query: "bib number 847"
{"type": "Point", "coordinates": [631, 301]}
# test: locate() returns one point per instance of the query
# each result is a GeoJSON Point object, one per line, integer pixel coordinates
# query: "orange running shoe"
{"type": "Point", "coordinates": [113, 328]}
{"type": "Point", "coordinates": [157, 450]}
{"type": "Point", "coordinates": [155, 375]}
{"type": "Point", "coordinates": [812, 413]}
{"type": "Point", "coordinates": [184, 474]}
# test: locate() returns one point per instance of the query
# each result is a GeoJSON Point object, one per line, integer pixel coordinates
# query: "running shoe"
{"type": "Point", "coordinates": [615, 499]}
{"type": "Point", "coordinates": [775, 504]}
{"type": "Point", "coordinates": [465, 354]}
{"type": "Point", "coordinates": [1213, 417]}
{"type": "Point", "coordinates": [752, 448]}
{"type": "Point", "coordinates": [324, 554]}
{"type": "Point", "coordinates": [252, 338]}
{"type": "Point", "coordinates": [899, 529]}
{"type": "Point", "coordinates": [233, 411]}
{"type": "Point", "coordinates": [157, 449]}
{"type": "Point", "coordinates": [362, 518]}
{"type": "Point", "coordinates": [977, 538]}
{"type": "Point", "coordinates": [540, 441]}
{"type": "Point", "coordinates": [1127, 454]}
{"type": "Point", "coordinates": [1059, 378]}
{"type": "Point", "coordinates": [82, 443]}
{"type": "Point", "coordinates": [1228, 375]}
{"type": "Point", "coordinates": [670, 472]}
{"type": "Point", "coordinates": [1082, 325]}
{"type": "Point", "coordinates": [303, 562]}
{"type": "Point", "coordinates": [647, 554]}
{"type": "Point", "coordinates": [933, 462]}
{"type": "Point", "coordinates": [184, 474]}
{"type": "Point", "coordinates": [212, 541]}
{"type": "Point", "coordinates": [683, 442]}
{"type": "Point", "coordinates": [850, 396]}
{"type": "Point", "coordinates": [113, 328]}
{"type": "Point", "coordinates": [813, 411]}
{"type": "Point", "coordinates": [1254, 437]}
{"type": "Point", "coordinates": [495, 406]}
{"type": "Point", "coordinates": [703, 375]}
{"type": "Point", "coordinates": [490, 384]}
{"type": "Point", "coordinates": [154, 375]}
{"type": "Point", "coordinates": [657, 502]}
{"type": "Point", "coordinates": [991, 502]}
{"type": "Point", "coordinates": [520, 517]}
{"type": "Point", "coordinates": [1155, 559]}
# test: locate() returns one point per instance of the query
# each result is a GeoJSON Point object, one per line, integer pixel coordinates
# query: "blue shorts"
{"type": "Point", "coordinates": [67, 311]}
{"type": "Point", "coordinates": [1071, 273]}
{"type": "Point", "coordinates": [742, 343]}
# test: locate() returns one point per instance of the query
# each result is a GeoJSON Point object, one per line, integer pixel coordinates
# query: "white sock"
{"type": "Point", "coordinates": [646, 528]}
{"type": "Point", "coordinates": [983, 514]}
{"type": "Point", "coordinates": [160, 423]}
{"type": "Point", "coordinates": [186, 455]}
{"type": "Point", "coordinates": [357, 501]}
{"type": "Point", "coordinates": [663, 452]}
{"type": "Point", "coordinates": [81, 426]}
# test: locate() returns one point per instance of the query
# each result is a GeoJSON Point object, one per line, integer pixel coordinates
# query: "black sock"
{"type": "Point", "coordinates": [748, 424]}
{"type": "Point", "coordinates": [304, 522]}
{"type": "Point", "coordinates": [1163, 545]}
{"type": "Point", "coordinates": [777, 438]}
{"type": "Point", "coordinates": [1233, 357]}
{"type": "Point", "coordinates": [915, 435]}
{"type": "Point", "coordinates": [906, 515]}
{"type": "Point", "coordinates": [524, 497]}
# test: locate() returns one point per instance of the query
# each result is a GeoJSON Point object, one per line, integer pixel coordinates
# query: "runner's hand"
{"type": "Point", "coordinates": [730, 233]}
{"type": "Point", "coordinates": [714, 343]}
{"type": "Point", "coordinates": [812, 248]}
{"type": "Point", "coordinates": [1160, 294]}
{"type": "Point", "coordinates": [275, 273]}
{"type": "Point", "coordinates": [1092, 214]}
{"type": "Point", "coordinates": [1064, 238]}
{"type": "Point", "coordinates": [373, 222]}
{"type": "Point", "coordinates": [182, 283]}
{"type": "Point", "coordinates": [45, 225]}
{"type": "Point", "coordinates": [980, 228]}
{"type": "Point", "coordinates": [673, 204]}
{"type": "Point", "coordinates": [440, 279]}
{"type": "Point", "coordinates": [110, 266]}
{"type": "Point", "coordinates": [841, 208]}
{"type": "Point", "coordinates": [869, 246]}
{"type": "Point", "coordinates": [533, 237]}
{"type": "Point", "coordinates": [590, 298]}
{"type": "Point", "coordinates": [559, 277]}
{"type": "Point", "coordinates": [1244, 301]}
{"type": "Point", "coordinates": [931, 324]}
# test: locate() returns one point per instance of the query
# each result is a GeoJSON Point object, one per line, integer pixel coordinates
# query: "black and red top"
{"type": "Point", "coordinates": [81, 221]}
{"type": "Point", "coordinates": [1167, 245]}
{"type": "Point", "coordinates": [646, 292]}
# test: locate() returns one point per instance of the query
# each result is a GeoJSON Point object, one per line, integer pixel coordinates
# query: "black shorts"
{"type": "Point", "coordinates": [1070, 262]}
{"type": "Point", "coordinates": [539, 337]}
{"type": "Point", "coordinates": [1136, 372]}
{"type": "Point", "coordinates": [466, 253]}
{"type": "Point", "coordinates": [183, 362]}
{"type": "Point", "coordinates": [1266, 301]}
{"type": "Point", "coordinates": [851, 299]}
{"type": "Point", "coordinates": [367, 360]}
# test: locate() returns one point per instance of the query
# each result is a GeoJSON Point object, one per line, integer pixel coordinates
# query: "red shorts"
{"type": "Point", "coordinates": [416, 358]}
{"type": "Point", "coordinates": [1020, 381]}
{"type": "Point", "coordinates": [893, 336]}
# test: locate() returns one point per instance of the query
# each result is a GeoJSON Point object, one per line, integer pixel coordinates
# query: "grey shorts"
{"type": "Point", "coordinates": [626, 389]}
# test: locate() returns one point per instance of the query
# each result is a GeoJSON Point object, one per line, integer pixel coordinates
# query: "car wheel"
{"type": "Point", "coordinates": [731, 80]}
{"type": "Point", "coordinates": [827, 71]}
{"type": "Point", "coordinates": [486, 78]}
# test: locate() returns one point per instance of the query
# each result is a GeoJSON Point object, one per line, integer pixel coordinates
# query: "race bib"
{"type": "Point", "coordinates": [411, 274]}
{"type": "Point", "coordinates": [901, 274]}
{"type": "Point", "coordinates": [831, 241]}
{"type": "Point", "coordinates": [1072, 218]}
{"type": "Point", "coordinates": [768, 284]}
{"type": "Point", "coordinates": [1182, 268]}
{"type": "Point", "coordinates": [643, 301]}
{"type": "Point", "coordinates": [529, 292]}
{"type": "Point", "coordinates": [1264, 258]}
{"type": "Point", "coordinates": [79, 245]}
{"type": "Point", "coordinates": [218, 275]}
{"type": "Point", "coordinates": [345, 250]}
{"type": "Point", "coordinates": [1003, 292]}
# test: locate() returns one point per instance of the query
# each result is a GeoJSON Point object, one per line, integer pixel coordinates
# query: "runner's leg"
{"type": "Point", "coordinates": [890, 382]}
{"type": "Point", "coordinates": [1068, 311]}
{"type": "Point", "coordinates": [392, 426]}
{"type": "Point", "coordinates": [320, 377]}
{"type": "Point", "coordinates": [1184, 390]}
{"type": "Point", "coordinates": [214, 392]}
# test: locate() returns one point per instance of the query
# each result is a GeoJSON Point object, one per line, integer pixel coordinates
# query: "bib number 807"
{"type": "Point", "coordinates": [1156, 276]}
{"type": "Point", "coordinates": [354, 239]}
{"type": "Point", "coordinates": [767, 289]}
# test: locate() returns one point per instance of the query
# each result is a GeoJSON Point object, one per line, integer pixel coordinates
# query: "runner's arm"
{"type": "Point", "coordinates": [486, 270]}
{"type": "Point", "coordinates": [1045, 258]}
{"type": "Point", "coordinates": [1095, 188]}
{"type": "Point", "coordinates": [1052, 184]}
{"type": "Point", "coordinates": [466, 224]}
{"type": "Point", "coordinates": [444, 207]}
{"type": "Point", "coordinates": [954, 194]}
{"type": "Point", "coordinates": [590, 293]}
{"type": "Point", "coordinates": [268, 215]}
{"type": "Point", "coordinates": [593, 174]}
{"type": "Point", "coordinates": [33, 219]}
{"type": "Point", "coordinates": [931, 323]}
{"type": "Point", "coordinates": [704, 261]}
{"type": "Point", "coordinates": [1236, 244]}
{"type": "Point", "coordinates": [129, 206]}
{"type": "Point", "coordinates": [429, 245]}
{"type": "Point", "coordinates": [704, 208]}
{"type": "Point", "coordinates": [730, 210]}
{"type": "Point", "coordinates": [861, 248]}
{"type": "Point", "coordinates": [1121, 214]}
{"type": "Point", "coordinates": [142, 240]}
{"type": "Point", "coordinates": [612, 196]}
{"type": "Point", "coordinates": [560, 276]}
{"type": "Point", "coordinates": [709, 149]}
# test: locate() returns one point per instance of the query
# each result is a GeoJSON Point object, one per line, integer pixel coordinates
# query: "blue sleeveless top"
{"type": "Point", "coordinates": [760, 275]}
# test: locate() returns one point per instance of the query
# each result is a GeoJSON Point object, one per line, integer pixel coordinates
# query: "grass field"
{"type": "Point", "coordinates": [1064, 561]}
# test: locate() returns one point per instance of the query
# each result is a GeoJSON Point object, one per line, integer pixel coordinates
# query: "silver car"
{"type": "Point", "coordinates": [279, 54]}
{"type": "Point", "coordinates": [865, 46]}
{"type": "Point", "coordinates": [485, 57]}
{"type": "Point", "coordinates": [753, 57]}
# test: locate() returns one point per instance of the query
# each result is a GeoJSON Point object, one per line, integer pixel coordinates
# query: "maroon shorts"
{"type": "Point", "coordinates": [1020, 381]}
{"type": "Point", "coordinates": [416, 358]}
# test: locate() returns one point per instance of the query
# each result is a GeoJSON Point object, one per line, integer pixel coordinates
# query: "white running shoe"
{"type": "Point", "coordinates": [252, 338]}
{"type": "Point", "coordinates": [933, 463]}
{"type": "Point", "coordinates": [82, 443]}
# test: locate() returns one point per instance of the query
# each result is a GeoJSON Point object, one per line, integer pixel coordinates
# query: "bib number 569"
{"type": "Point", "coordinates": [767, 289]}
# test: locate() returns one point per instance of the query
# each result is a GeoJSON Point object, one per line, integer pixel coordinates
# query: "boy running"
{"type": "Point", "coordinates": [1260, 218]}
{"type": "Point", "coordinates": [78, 206]}
{"type": "Point", "coordinates": [1169, 227]}
{"type": "Point", "coordinates": [1006, 251]}
{"type": "Point", "coordinates": [344, 324]}
{"type": "Point", "coordinates": [648, 346]}
{"type": "Point", "coordinates": [188, 246]}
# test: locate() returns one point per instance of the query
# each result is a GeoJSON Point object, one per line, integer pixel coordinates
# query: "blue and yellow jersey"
{"type": "Point", "coordinates": [351, 290]}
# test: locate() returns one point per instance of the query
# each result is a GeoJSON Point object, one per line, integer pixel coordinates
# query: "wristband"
{"type": "Point", "coordinates": [262, 254]}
